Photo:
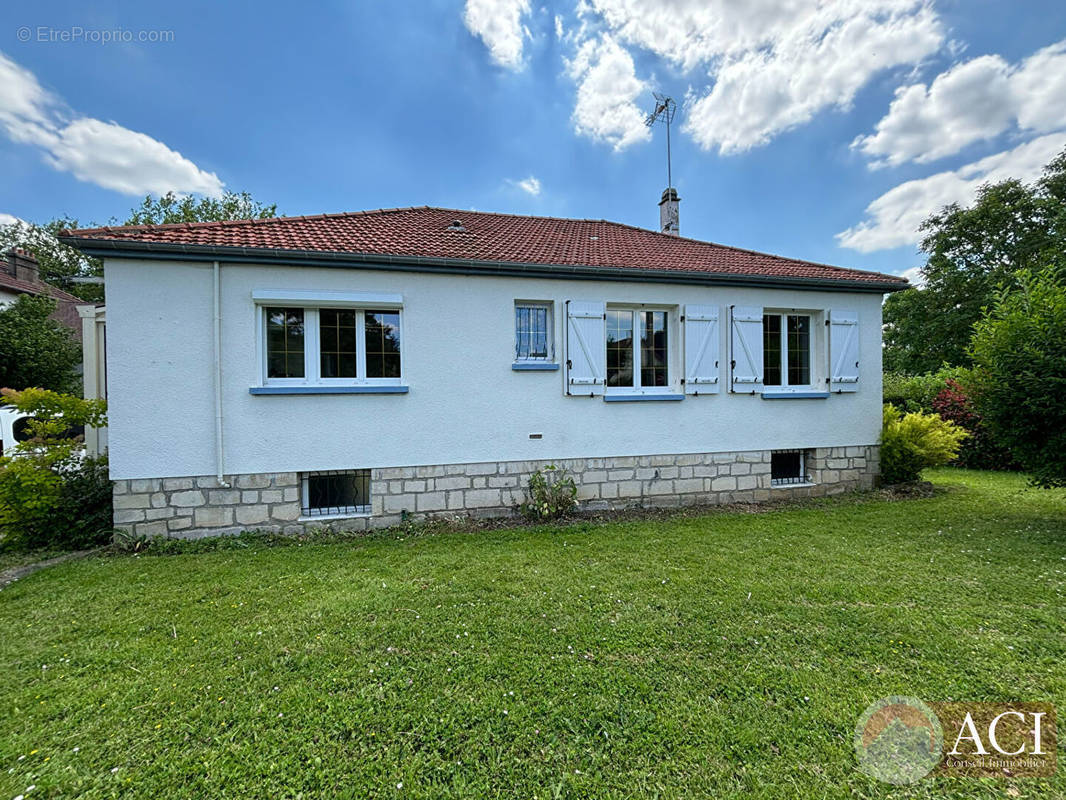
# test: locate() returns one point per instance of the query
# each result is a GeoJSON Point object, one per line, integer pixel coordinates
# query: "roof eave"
{"type": "Point", "coordinates": [112, 248]}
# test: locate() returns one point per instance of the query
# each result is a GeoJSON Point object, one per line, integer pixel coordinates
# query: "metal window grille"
{"type": "Point", "coordinates": [788, 467]}
{"type": "Point", "coordinates": [532, 332]}
{"type": "Point", "coordinates": [335, 492]}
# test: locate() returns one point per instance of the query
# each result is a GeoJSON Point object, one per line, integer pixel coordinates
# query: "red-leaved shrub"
{"type": "Point", "coordinates": [980, 450]}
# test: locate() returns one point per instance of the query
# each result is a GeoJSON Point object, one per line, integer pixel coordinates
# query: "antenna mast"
{"type": "Point", "coordinates": [665, 108]}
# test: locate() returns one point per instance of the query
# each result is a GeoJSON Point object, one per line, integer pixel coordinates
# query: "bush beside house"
{"type": "Point", "coordinates": [51, 494]}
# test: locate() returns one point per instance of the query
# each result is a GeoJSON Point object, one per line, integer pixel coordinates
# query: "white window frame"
{"type": "Point", "coordinates": [673, 382]}
{"type": "Point", "coordinates": [311, 304]}
{"type": "Point", "coordinates": [812, 350]}
{"type": "Point", "coordinates": [549, 305]}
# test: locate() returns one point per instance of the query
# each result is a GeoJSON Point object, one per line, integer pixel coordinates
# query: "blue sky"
{"type": "Point", "coordinates": [820, 131]}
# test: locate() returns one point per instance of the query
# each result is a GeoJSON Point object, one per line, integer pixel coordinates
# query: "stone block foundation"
{"type": "Point", "coordinates": [196, 506]}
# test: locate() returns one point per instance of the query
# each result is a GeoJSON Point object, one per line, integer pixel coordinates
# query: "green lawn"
{"type": "Point", "coordinates": [728, 654]}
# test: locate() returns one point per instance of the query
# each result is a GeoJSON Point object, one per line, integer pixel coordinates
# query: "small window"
{"type": "Point", "coordinates": [335, 493]}
{"type": "Point", "coordinates": [533, 331]}
{"type": "Point", "coordinates": [788, 467]}
{"type": "Point", "coordinates": [638, 353]}
{"type": "Point", "coordinates": [786, 343]}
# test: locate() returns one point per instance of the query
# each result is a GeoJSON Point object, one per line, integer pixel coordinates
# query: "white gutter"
{"type": "Point", "coordinates": [219, 451]}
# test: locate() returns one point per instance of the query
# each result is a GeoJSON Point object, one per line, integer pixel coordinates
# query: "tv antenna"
{"type": "Point", "coordinates": [665, 107]}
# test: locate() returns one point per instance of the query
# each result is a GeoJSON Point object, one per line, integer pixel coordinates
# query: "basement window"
{"type": "Point", "coordinates": [335, 493]}
{"type": "Point", "coordinates": [788, 467]}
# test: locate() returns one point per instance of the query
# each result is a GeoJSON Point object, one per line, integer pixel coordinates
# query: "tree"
{"type": "Point", "coordinates": [972, 252]}
{"type": "Point", "coordinates": [170, 208]}
{"type": "Point", "coordinates": [35, 350]}
{"type": "Point", "coordinates": [1019, 354]}
{"type": "Point", "coordinates": [58, 262]}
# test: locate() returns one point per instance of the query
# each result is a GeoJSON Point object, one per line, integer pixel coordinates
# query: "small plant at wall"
{"type": "Point", "coordinates": [551, 494]}
{"type": "Point", "coordinates": [51, 493]}
{"type": "Point", "coordinates": [911, 442]}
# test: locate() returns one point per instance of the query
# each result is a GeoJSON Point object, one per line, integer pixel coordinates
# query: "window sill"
{"type": "Point", "coordinates": [642, 398]}
{"type": "Point", "coordinates": [384, 389]}
{"type": "Point", "coordinates": [808, 484]}
{"type": "Point", "coordinates": [334, 517]}
{"type": "Point", "coordinates": [534, 366]}
{"type": "Point", "coordinates": [794, 395]}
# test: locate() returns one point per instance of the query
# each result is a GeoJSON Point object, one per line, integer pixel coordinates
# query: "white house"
{"type": "Point", "coordinates": [352, 368]}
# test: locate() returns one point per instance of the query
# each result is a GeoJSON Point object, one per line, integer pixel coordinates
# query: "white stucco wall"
{"type": "Point", "coordinates": [465, 403]}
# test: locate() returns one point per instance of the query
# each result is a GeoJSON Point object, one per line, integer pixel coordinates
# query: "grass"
{"type": "Point", "coordinates": [724, 655]}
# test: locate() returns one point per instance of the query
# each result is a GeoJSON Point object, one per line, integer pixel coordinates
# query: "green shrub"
{"type": "Point", "coordinates": [51, 495]}
{"type": "Point", "coordinates": [911, 442]}
{"type": "Point", "coordinates": [917, 392]}
{"type": "Point", "coordinates": [551, 494]}
{"type": "Point", "coordinates": [1019, 349]}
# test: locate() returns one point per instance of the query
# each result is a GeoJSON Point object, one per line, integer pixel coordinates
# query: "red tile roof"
{"type": "Point", "coordinates": [423, 232]}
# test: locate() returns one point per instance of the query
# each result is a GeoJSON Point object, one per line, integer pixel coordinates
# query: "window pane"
{"type": "Point", "coordinates": [531, 332]}
{"type": "Point", "coordinates": [653, 352]}
{"type": "Point", "coordinates": [771, 349]}
{"type": "Point", "coordinates": [285, 342]}
{"type": "Point", "coordinates": [336, 331]}
{"type": "Point", "coordinates": [799, 350]}
{"type": "Point", "coordinates": [382, 337]}
{"type": "Point", "coordinates": [619, 348]}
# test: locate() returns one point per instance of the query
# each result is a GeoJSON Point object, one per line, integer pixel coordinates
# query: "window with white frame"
{"type": "Point", "coordinates": [638, 354]}
{"type": "Point", "coordinates": [335, 493]}
{"type": "Point", "coordinates": [332, 345]}
{"type": "Point", "coordinates": [787, 348]}
{"type": "Point", "coordinates": [533, 331]}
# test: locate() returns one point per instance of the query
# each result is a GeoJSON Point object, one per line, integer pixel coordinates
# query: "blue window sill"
{"type": "Point", "coordinates": [328, 390]}
{"type": "Point", "coordinates": [794, 395]}
{"type": "Point", "coordinates": [641, 398]}
{"type": "Point", "coordinates": [534, 366]}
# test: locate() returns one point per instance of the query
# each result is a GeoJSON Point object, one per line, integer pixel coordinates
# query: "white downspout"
{"type": "Point", "coordinates": [220, 453]}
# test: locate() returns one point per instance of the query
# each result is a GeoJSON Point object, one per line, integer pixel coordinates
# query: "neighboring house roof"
{"type": "Point", "coordinates": [25, 287]}
{"type": "Point", "coordinates": [427, 238]}
{"type": "Point", "coordinates": [66, 310]}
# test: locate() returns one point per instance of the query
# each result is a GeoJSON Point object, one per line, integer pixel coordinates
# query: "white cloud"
{"type": "Point", "coordinates": [498, 23]}
{"type": "Point", "coordinates": [8, 219]}
{"type": "Point", "coordinates": [607, 89]}
{"type": "Point", "coordinates": [530, 185]}
{"type": "Point", "coordinates": [914, 275]}
{"type": "Point", "coordinates": [892, 220]}
{"type": "Point", "coordinates": [94, 151]}
{"type": "Point", "coordinates": [972, 101]}
{"type": "Point", "coordinates": [773, 63]}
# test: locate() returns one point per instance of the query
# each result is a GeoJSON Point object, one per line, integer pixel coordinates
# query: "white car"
{"type": "Point", "coordinates": [14, 428]}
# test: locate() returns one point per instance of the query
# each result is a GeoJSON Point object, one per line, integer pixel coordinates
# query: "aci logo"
{"type": "Point", "coordinates": [900, 740]}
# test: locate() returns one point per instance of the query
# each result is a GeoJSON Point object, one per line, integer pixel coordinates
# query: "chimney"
{"type": "Point", "coordinates": [22, 265]}
{"type": "Point", "coordinates": [668, 219]}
